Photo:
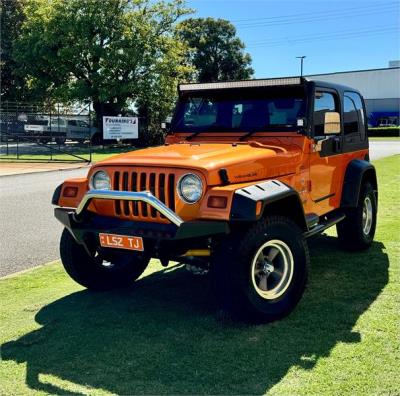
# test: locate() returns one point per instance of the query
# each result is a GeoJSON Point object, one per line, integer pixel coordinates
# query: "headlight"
{"type": "Point", "coordinates": [100, 181]}
{"type": "Point", "coordinates": [190, 188]}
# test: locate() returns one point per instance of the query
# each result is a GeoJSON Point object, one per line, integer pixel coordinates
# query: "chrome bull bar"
{"type": "Point", "coordinates": [143, 196]}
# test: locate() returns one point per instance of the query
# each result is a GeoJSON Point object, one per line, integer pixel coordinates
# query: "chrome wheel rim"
{"type": "Point", "coordinates": [367, 215]}
{"type": "Point", "coordinates": [272, 269]}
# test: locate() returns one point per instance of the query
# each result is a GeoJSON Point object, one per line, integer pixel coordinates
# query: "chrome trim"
{"type": "Point", "coordinates": [178, 188]}
{"type": "Point", "coordinates": [143, 196]}
{"type": "Point", "coordinates": [91, 185]}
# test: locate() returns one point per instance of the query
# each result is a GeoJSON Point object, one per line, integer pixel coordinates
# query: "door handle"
{"type": "Point", "coordinates": [337, 144]}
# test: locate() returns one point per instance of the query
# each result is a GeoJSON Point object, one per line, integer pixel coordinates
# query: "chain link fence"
{"type": "Point", "coordinates": [46, 132]}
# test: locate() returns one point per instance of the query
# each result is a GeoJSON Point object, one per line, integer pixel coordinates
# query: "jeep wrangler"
{"type": "Point", "coordinates": [249, 171]}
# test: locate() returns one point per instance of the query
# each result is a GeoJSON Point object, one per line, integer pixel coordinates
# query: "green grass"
{"type": "Point", "coordinates": [384, 128]}
{"type": "Point", "coordinates": [98, 154]}
{"type": "Point", "coordinates": [163, 336]}
{"type": "Point", "coordinates": [388, 139]}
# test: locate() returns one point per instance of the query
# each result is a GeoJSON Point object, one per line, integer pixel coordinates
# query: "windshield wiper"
{"type": "Point", "coordinates": [211, 128]}
{"type": "Point", "coordinates": [248, 134]}
{"type": "Point", "coordinates": [190, 137]}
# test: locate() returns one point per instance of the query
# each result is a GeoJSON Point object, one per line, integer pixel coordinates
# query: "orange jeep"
{"type": "Point", "coordinates": [249, 171]}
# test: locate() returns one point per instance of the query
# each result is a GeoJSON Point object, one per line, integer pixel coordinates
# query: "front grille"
{"type": "Point", "coordinates": [161, 185]}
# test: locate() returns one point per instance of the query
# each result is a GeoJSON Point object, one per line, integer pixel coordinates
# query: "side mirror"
{"type": "Point", "coordinates": [331, 123]}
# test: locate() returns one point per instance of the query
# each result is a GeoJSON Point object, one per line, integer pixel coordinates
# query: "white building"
{"type": "Point", "coordinates": [380, 88]}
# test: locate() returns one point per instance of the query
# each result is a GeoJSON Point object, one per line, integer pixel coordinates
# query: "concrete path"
{"type": "Point", "coordinates": [17, 168]}
{"type": "Point", "coordinates": [383, 148]}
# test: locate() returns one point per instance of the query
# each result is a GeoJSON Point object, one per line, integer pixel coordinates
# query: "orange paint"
{"type": "Point", "coordinates": [288, 157]}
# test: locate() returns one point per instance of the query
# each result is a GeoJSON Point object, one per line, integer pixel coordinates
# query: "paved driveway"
{"type": "Point", "coordinates": [380, 148]}
{"type": "Point", "coordinates": [29, 232]}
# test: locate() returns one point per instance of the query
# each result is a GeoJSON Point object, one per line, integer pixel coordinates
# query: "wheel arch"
{"type": "Point", "coordinates": [276, 198]}
{"type": "Point", "coordinates": [357, 173]}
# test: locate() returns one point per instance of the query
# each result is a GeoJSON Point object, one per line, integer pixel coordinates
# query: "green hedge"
{"type": "Point", "coordinates": [384, 132]}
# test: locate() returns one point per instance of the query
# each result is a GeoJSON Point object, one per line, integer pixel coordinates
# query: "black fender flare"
{"type": "Point", "coordinates": [357, 172]}
{"type": "Point", "coordinates": [57, 194]}
{"type": "Point", "coordinates": [275, 196]}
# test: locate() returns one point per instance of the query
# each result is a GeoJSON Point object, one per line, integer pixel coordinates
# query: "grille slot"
{"type": "Point", "coordinates": [161, 185]}
{"type": "Point", "coordinates": [116, 187]}
{"type": "Point", "coordinates": [125, 187]}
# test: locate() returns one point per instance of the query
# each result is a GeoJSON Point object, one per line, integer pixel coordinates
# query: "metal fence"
{"type": "Point", "coordinates": [43, 132]}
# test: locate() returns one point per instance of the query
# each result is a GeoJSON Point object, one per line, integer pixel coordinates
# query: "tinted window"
{"type": "Point", "coordinates": [353, 114]}
{"type": "Point", "coordinates": [82, 123]}
{"type": "Point", "coordinates": [72, 123]}
{"type": "Point", "coordinates": [324, 102]}
{"type": "Point", "coordinates": [239, 111]}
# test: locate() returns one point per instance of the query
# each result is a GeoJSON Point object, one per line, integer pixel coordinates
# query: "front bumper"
{"type": "Point", "coordinates": [159, 239]}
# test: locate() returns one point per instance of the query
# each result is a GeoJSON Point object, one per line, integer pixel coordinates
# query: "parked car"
{"type": "Point", "coordinates": [61, 129]}
{"type": "Point", "coordinates": [250, 171]}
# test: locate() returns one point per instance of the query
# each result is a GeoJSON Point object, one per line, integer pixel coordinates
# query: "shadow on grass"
{"type": "Point", "coordinates": [163, 336]}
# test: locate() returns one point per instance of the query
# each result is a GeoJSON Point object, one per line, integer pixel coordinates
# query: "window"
{"type": "Point", "coordinates": [324, 102]}
{"type": "Point", "coordinates": [72, 123]}
{"type": "Point", "coordinates": [353, 114]}
{"type": "Point", "coordinates": [82, 124]}
{"type": "Point", "coordinates": [241, 111]}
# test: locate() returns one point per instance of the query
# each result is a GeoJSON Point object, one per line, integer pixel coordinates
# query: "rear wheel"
{"type": "Point", "coordinates": [260, 276]}
{"type": "Point", "coordinates": [357, 230]}
{"type": "Point", "coordinates": [108, 269]}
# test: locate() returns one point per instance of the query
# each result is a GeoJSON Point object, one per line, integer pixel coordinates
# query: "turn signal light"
{"type": "Point", "coordinates": [217, 202]}
{"type": "Point", "coordinates": [259, 206]}
{"type": "Point", "coordinates": [70, 192]}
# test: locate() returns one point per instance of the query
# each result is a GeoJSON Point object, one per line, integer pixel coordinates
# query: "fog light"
{"type": "Point", "coordinates": [217, 202]}
{"type": "Point", "coordinates": [70, 192]}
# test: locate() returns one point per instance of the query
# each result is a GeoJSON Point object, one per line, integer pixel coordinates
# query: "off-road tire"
{"type": "Point", "coordinates": [231, 271]}
{"type": "Point", "coordinates": [350, 230]}
{"type": "Point", "coordinates": [89, 273]}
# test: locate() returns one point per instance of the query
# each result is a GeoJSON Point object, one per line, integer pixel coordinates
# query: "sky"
{"type": "Point", "coordinates": [336, 35]}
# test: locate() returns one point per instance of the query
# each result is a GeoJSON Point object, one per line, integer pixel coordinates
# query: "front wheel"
{"type": "Point", "coordinates": [105, 270]}
{"type": "Point", "coordinates": [357, 230]}
{"type": "Point", "coordinates": [260, 275]}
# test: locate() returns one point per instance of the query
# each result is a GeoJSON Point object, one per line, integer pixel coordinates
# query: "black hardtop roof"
{"type": "Point", "coordinates": [262, 83]}
{"type": "Point", "coordinates": [329, 85]}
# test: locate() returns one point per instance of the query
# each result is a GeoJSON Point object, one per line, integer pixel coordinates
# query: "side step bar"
{"type": "Point", "coordinates": [324, 225]}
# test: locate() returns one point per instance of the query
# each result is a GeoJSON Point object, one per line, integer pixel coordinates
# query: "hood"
{"type": "Point", "coordinates": [243, 162]}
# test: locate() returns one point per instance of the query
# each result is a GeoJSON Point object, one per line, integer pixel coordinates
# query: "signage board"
{"type": "Point", "coordinates": [120, 128]}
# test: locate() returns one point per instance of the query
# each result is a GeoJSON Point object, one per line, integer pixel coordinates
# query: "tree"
{"type": "Point", "coordinates": [101, 51]}
{"type": "Point", "coordinates": [215, 50]}
{"type": "Point", "coordinates": [12, 16]}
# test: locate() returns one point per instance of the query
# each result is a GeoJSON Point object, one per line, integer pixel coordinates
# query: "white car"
{"type": "Point", "coordinates": [61, 129]}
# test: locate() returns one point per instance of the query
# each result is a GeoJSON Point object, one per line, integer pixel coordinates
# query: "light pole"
{"type": "Point", "coordinates": [301, 64]}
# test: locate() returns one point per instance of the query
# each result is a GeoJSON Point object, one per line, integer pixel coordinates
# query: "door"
{"type": "Point", "coordinates": [325, 158]}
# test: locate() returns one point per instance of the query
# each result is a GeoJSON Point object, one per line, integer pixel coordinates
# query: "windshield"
{"type": "Point", "coordinates": [240, 111]}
